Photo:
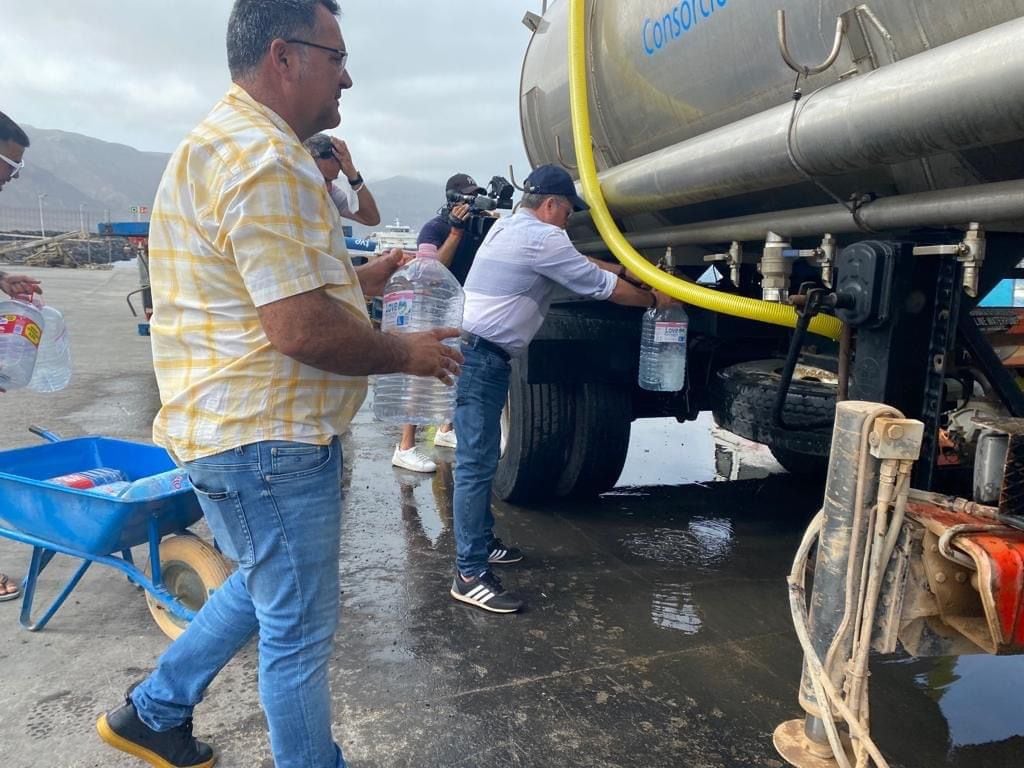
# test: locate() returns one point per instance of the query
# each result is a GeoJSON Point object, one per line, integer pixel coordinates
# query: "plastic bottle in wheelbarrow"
{"type": "Point", "coordinates": [153, 486]}
{"type": "Point", "coordinates": [88, 478]}
{"type": "Point", "coordinates": [53, 361]}
{"type": "Point", "coordinates": [421, 296]}
{"type": "Point", "coordinates": [21, 329]}
{"type": "Point", "coordinates": [663, 349]}
{"type": "Point", "coordinates": [145, 488]}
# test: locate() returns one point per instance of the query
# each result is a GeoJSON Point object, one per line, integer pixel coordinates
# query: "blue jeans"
{"type": "Point", "coordinates": [483, 388]}
{"type": "Point", "coordinates": [275, 508]}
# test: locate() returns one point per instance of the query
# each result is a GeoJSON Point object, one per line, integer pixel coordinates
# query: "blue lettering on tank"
{"type": "Point", "coordinates": [688, 19]}
{"type": "Point", "coordinates": [674, 18]}
{"type": "Point", "coordinates": [648, 49]}
{"type": "Point", "coordinates": [681, 18]}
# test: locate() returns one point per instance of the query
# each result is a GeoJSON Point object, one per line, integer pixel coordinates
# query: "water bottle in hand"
{"type": "Point", "coordinates": [421, 296]}
{"type": "Point", "coordinates": [663, 349]}
{"type": "Point", "coordinates": [53, 362]}
{"type": "Point", "coordinates": [21, 329]}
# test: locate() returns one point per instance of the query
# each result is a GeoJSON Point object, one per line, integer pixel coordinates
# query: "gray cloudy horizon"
{"type": "Point", "coordinates": [436, 84]}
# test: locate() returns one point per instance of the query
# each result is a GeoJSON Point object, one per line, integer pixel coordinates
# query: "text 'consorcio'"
{"type": "Point", "coordinates": [679, 20]}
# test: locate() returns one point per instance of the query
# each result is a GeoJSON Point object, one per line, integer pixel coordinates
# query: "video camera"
{"type": "Point", "coordinates": [499, 195]}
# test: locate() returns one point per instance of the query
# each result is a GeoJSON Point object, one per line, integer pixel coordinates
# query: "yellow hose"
{"type": "Point", "coordinates": [698, 296]}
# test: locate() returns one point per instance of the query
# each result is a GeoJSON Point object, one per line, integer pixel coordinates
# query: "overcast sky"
{"type": "Point", "coordinates": [436, 81]}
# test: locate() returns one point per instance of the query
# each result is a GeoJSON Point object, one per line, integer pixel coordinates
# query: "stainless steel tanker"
{"type": "Point", "coordinates": [887, 179]}
{"type": "Point", "coordinates": [691, 104]}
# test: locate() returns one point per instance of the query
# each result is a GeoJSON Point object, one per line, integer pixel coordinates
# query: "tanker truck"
{"type": "Point", "coordinates": [854, 174]}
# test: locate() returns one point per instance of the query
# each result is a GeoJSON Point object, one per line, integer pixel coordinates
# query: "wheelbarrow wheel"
{"type": "Point", "coordinates": [191, 570]}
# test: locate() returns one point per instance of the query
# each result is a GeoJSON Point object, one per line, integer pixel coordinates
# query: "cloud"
{"type": "Point", "coordinates": [436, 83]}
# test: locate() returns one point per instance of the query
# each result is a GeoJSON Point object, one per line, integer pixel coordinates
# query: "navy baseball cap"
{"type": "Point", "coordinates": [552, 180]}
{"type": "Point", "coordinates": [464, 184]}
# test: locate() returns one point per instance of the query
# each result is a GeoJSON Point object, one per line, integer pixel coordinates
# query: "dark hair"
{"type": "Point", "coordinates": [255, 24]}
{"type": "Point", "coordinates": [11, 131]}
{"type": "Point", "coordinates": [319, 145]}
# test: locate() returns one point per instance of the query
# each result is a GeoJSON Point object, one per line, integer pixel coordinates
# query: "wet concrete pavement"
{"type": "Point", "coordinates": [657, 632]}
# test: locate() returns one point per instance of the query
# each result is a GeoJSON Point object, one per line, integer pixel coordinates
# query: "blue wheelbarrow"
{"type": "Point", "coordinates": [183, 569]}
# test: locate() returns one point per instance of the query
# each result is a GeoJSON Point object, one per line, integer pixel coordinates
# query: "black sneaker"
{"type": "Point", "coordinates": [485, 591]}
{"type": "Point", "coordinates": [499, 554]}
{"type": "Point", "coordinates": [122, 729]}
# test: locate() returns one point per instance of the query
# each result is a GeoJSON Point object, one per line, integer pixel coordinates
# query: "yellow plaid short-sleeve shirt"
{"type": "Point", "coordinates": [241, 219]}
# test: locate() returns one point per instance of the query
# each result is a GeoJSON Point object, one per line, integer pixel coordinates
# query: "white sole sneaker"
{"type": "Point", "coordinates": [489, 597]}
{"type": "Point", "coordinates": [446, 439]}
{"type": "Point", "coordinates": [413, 459]}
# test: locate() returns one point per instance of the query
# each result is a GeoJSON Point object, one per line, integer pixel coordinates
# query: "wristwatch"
{"type": "Point", "coordinates": [356, 181]}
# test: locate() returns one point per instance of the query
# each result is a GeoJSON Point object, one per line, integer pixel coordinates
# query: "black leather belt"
{"type": "Point", "coordinates": [478, 342]}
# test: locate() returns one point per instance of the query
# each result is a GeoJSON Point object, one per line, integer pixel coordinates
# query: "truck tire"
{"type": "Point", "coordinates": [602, 416]}
{"type": "Point", "coordinates": [743, 396]}
{"type": "Point", "coordinates": [536, 430]}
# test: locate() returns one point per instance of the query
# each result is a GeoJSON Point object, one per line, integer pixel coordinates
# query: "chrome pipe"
{"type": "Point", "coordinates": [1000, 203]}
{"type": "Point", "coordinates": [966, 93]}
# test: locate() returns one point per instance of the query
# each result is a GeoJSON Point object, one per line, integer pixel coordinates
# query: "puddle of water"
{"type": "Point", "coordinates": [705, 543]}
{"type": "Point", "coordinates": [672, 607]}
{"type": "Point", "coordinates": [980, 697]}
{"type": "Point", "coordinates": [665, 452]}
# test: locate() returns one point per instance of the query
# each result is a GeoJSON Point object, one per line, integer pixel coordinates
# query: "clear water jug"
{"type": "Point", "coordinates": [421, 296]}
{"type": "Point", "coordinates": [53, 361]}
{"type": "Point", "coordinates": [663, 349]}
{"type": "Point", "coordinates": [21, 330]}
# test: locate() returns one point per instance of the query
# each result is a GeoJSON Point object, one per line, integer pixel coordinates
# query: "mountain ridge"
{"type": "Point", "coordinates": [70, 179]}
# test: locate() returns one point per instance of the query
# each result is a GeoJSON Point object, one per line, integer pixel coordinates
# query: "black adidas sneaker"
{"type": "Point", "coordinates": [485, 591]}
{"type": "Point", "coordinates": [500, 554]}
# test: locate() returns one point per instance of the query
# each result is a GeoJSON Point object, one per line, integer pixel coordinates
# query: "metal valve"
{"type": "Point", "coordinates": [775, 269]}
{"type": "Point", "coordinates": [733, 258]}
{"type": "Point", "coordinates": [970, 252]}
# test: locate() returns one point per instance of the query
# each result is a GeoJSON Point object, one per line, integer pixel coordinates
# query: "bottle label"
{"type": "Point", "coordinates": [669, 333]}
{"type": "Point", "coordinates": [19, 325]}
{"type": "Point", "coordinates": [398, 309]}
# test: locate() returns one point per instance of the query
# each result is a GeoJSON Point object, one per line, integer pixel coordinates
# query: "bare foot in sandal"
{"type": "Point", "coordinates": [8, 589]}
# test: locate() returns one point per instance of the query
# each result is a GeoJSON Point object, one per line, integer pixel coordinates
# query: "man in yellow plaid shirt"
{"type": "Point", "coordinates": [261, 346]}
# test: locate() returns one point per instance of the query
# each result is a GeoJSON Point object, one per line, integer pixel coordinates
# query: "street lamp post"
{"type": "Point", "coordinates": [42, 226]}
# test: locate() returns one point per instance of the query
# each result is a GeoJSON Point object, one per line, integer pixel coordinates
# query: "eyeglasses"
{"type": "Point", "coordinates": [327, 154]}
{"type": "Point", "coordinates": [342, 61]}
{"type": "Point", "coordinates": [16, 166]}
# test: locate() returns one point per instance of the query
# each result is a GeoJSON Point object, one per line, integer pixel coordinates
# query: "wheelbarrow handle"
{"type": "Point", "coordinates": [46, 434]}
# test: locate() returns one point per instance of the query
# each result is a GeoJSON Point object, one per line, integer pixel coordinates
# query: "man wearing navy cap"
{"type": "Point", "coordinates": [523, 261]}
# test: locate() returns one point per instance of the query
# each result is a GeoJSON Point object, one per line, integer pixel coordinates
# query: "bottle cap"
{"type": "Point", "coordinates": [426, 251]}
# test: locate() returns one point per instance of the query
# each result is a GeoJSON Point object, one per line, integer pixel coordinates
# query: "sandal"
{"type": "Point", "coordinates": [5, 589]}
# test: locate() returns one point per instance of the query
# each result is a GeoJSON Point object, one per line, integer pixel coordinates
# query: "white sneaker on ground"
{"type": "Point", "coordinates": [446, 439]}
{"type": "Point", "coordinates": [413, 459]}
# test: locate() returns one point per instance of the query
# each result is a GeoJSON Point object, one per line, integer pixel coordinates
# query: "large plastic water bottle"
{"type": "Point", "coordinates": [153, 486]}
{"type": "Point", "coordinates": [53, 362]}
{"type": "Point", "coordinates": [663, 349]}
{"type": "Point", "coordinates": [420, 296]}
{"type": "Point", "coordinates": [21, 329]}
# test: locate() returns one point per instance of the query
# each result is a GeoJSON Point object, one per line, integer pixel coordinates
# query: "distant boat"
{"type": "Point", "coordinates": [395, 235]}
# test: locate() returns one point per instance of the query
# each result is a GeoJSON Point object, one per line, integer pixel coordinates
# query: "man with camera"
{"type": "Point", "coordinates": [354, 199]}
{"type": "Point", "coordinates": [456, 231]}
{"type": "Point", "coordinates": [524, 259]}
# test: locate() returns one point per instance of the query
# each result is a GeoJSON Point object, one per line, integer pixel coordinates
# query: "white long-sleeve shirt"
{"type": "Point", "coordinates": [519, 268]}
